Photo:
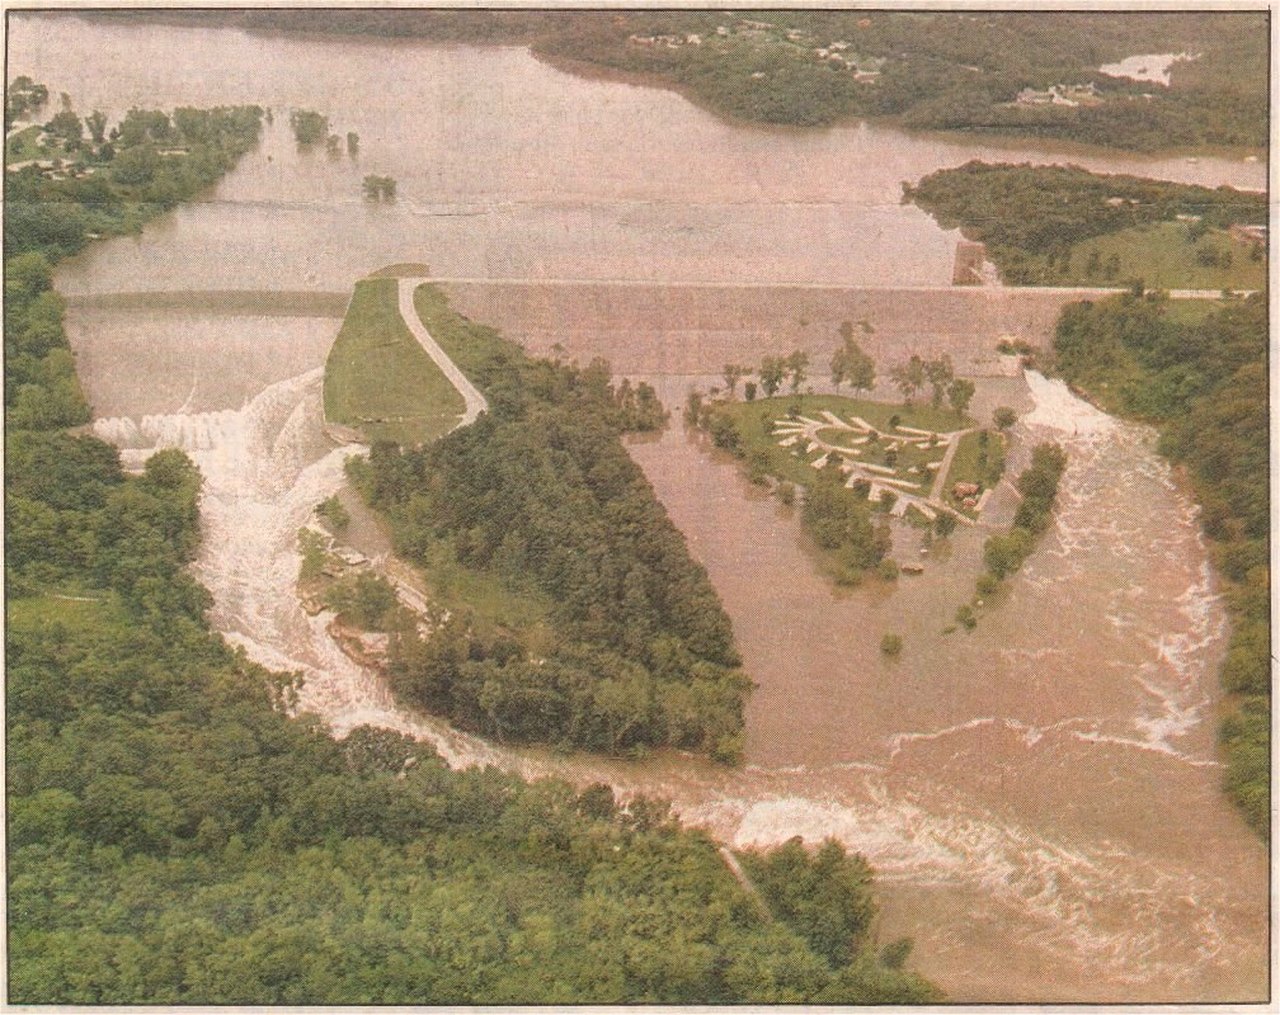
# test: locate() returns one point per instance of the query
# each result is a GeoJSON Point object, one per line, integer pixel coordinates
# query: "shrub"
{"type": "Point", "coordinates": [887, 569]}
{"type": "Point", "coordinates": [331, 511]}
{"type": "Point", "coordinates": [891, 645]}
{"type": "Point", "coordinates": [964, 615]}
{"type": "Point", "coordinates": [787, 493]}
{"type": "Point", "coordinates": [987, 584]}
{"type": "Point", "coordinates": [944, 524]}
{"type": "Point", "coordinates": [1004, 417]}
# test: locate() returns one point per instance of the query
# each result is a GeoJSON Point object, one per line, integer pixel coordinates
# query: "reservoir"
{"type": "Point", "coordinates": [1040, 797]}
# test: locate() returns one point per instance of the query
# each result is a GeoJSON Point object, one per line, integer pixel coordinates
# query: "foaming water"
{"type": "Point", "coordinates": [1037, 797]}
{"type": "Point", "coordinates": [265, 467]}
{"type": "Point", "coordinates": [1040, 797]}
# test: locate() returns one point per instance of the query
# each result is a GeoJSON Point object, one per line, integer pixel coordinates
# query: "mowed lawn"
{"type": "Point", "coordinates": [379, 380]}
{"type": "Point", "coordinates": [755, 422]}
{"type": "Point", "coordinates": [1163, 257]}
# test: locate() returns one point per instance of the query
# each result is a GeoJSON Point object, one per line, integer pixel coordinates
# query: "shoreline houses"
{"type": "Point", "coordinates": [1060, 95]}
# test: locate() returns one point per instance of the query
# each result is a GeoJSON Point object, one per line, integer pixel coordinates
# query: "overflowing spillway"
{"type": "Point", "coordinates": [1022, 791]}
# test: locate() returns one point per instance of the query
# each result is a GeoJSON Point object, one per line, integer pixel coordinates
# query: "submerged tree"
{"type": "Point", "coordinates": [380, 188]}
{"type": "Point", "coordinates": [309, 127]}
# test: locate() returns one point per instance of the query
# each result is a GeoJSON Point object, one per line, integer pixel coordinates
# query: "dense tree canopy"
{"type": "Point", "coordinates": [174, 837]}
{"type": "Point", "coordinates": [1029, 214]}
{"type": "Point", "coordinates": [540, 494]}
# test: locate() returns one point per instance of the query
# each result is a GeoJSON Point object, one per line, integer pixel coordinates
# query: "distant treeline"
{"type": "Point", "coordinates": [1204, 384]}
{"type": "Point", "coordinates": [941, 70]}
{"type": "Point", "coordinates": [540, 493]}
{"type": "Point", "coordinates": [1025, 213]}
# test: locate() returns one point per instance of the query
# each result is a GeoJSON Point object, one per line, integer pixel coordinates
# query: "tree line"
{"type": "Point", "coordinates": [1203, 382]}
{"type": "Point", "coordinates": [941, 70]}
{"type": "Point", "coordinates": [540, 494]}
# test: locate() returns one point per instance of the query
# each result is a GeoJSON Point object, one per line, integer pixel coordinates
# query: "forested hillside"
{"type": "Point", "coordinates": [540, 496]}
{"type": "Point", "coordinates": [1202, 379]}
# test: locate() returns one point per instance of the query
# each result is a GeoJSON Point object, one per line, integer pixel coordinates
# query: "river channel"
{"type": "Point", "coordinates": [1040, 797]}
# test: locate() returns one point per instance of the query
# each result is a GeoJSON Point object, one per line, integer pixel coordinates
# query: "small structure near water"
{"type": "Point", "coordinates": [970, 258]}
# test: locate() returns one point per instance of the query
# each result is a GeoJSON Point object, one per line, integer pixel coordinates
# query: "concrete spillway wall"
{"type": "Point", "coordinates": [691, 329]}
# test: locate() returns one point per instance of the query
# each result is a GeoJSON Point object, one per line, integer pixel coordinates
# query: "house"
{"type": "Point", "coordinates": [1031, 97]}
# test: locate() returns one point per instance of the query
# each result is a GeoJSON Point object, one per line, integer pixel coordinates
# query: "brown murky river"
{"type": "Point", "coordinates": [1040, 797]}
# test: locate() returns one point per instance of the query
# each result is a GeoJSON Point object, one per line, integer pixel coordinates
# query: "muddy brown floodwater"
{"type": "Point", "coordinates": [1040, 797]}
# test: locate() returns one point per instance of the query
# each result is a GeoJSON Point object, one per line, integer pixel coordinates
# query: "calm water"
{"type": "Point", "coordinates": [507, 167]}
{"type": "Point", "coordinates": [1040, 797]}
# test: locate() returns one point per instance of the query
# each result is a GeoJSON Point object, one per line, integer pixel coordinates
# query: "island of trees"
{"type": "Point", "coordinates": [857, 461]}
{"type": "Point", "coordinates": [174, 837]}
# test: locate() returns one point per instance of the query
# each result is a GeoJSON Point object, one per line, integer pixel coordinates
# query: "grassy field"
{"type": "Point", "coordinates": [22, 146]}
{"type": "Point", "coordinates": [754, 422]}
{"type": "Point", "coordinates": [379, 380]}
{"type": "Point", "coordinates": [88, 608]}
{"type": "Point", "coordinates": [1163, 257]}
{"type": "Point", "coordinates": [974, 463]}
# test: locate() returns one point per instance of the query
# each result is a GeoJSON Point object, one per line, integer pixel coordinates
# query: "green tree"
{"type": "Point", "coordinates": [97, 124]}
{"type": "Point", "coordinates": [850, 364]}
{"type": "Point", "coordinates": [796, 365]}
{"type": "Point", "coordinates": [67, 127]}
{"type": "Point", "coordinates": [309, 127]}
{"type": "Point", "coordinates": [939, 373]}
{"type": "Point", "coordinates": [959, 394]}
{"type": "Point", "coordinates": [908, 377]}
{"type": "Point", "coordinates": [732, 374]}
{"type": "Point", "coordinates": [772, 371]}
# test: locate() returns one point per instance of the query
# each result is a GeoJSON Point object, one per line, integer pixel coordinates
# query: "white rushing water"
{"type": "Point", "coordinates": [936, 840]}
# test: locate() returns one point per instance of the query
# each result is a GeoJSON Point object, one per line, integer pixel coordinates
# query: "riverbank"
{"type": "Point", "coordinates": [1210, 404]}
{"type": "Point", "coordinates": [1001, 782]}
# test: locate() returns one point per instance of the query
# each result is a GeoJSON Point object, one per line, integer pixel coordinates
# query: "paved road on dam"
{"type": "Point", "coordinates": [474, 401]}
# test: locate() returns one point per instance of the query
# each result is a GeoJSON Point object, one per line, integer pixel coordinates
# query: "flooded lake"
{"type": "Point", "coordinates": [1040, 797]}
